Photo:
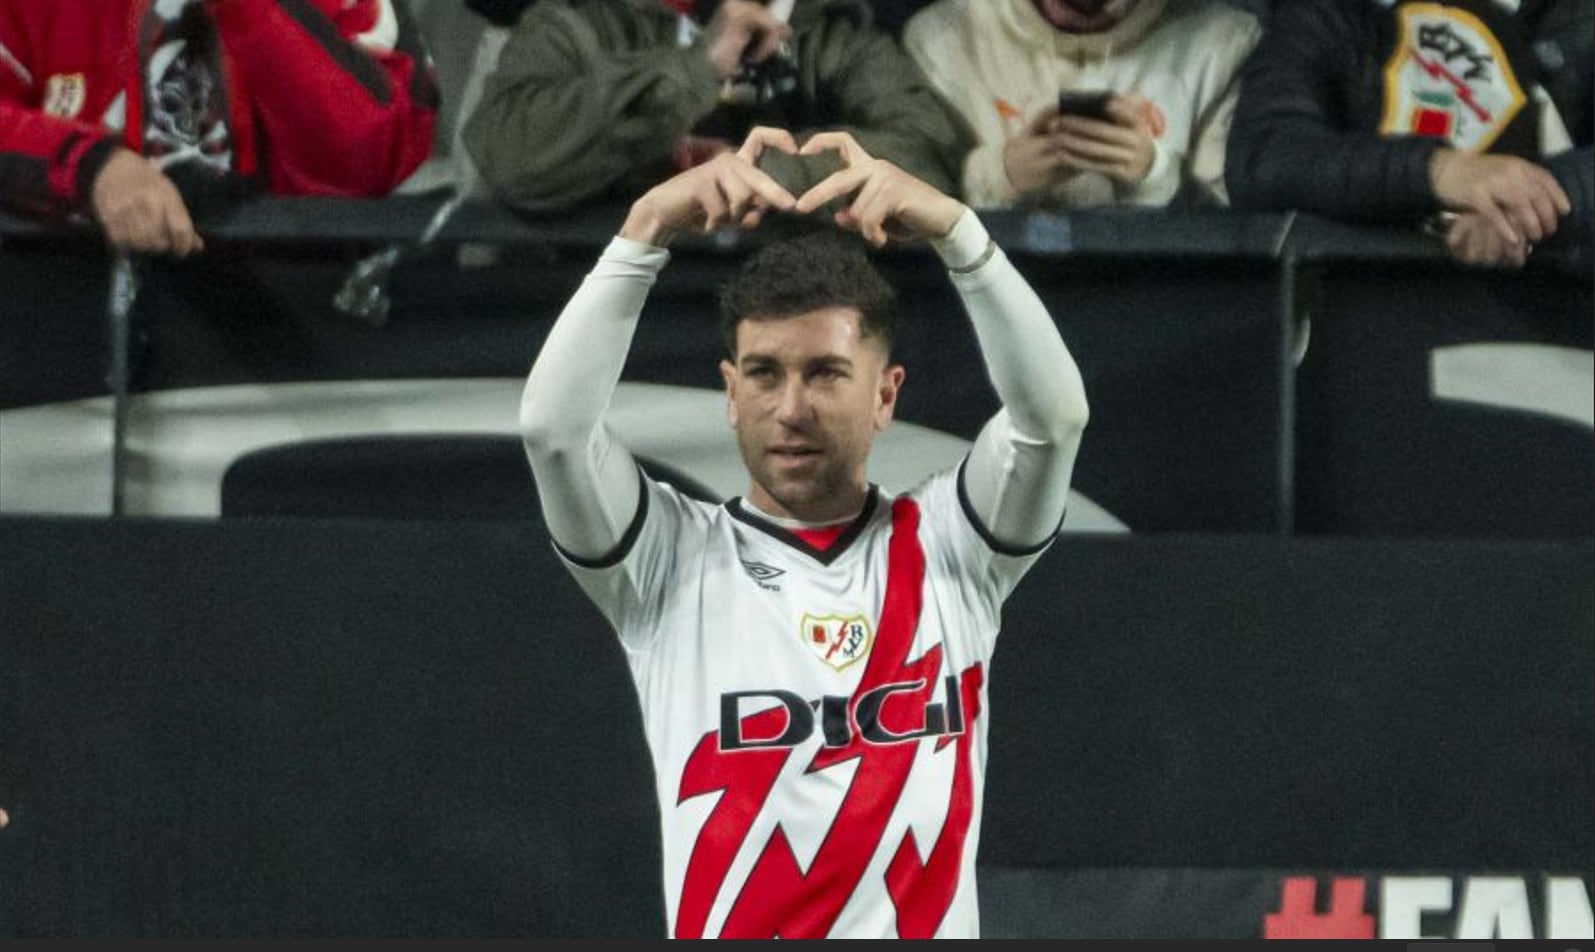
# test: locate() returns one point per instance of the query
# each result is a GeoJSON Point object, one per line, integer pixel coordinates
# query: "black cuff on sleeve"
{"type": "Point", "coordinates": [992, 542]}
{"type": "Point", "coordinates": [90, 163]}
{"type": "Point", "coordinates": [622, 548]}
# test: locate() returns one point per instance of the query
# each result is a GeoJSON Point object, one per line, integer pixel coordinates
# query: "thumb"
{"type": "Point", "coordinates": [1132, 110]}
{"type": "Point", "coordinates": [1042, 122]}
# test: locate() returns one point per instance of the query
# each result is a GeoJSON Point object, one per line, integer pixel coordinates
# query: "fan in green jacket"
{"type": "Point", "coordinates": [601, 99]}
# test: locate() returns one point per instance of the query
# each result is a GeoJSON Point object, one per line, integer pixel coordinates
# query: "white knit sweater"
{"type": "Point", "coordinates": [999, 63]}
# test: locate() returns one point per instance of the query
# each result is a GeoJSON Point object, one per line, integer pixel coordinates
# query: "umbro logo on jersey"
{"type": "Point", "coordinates": [838, 641]}
{"type": "Point", "coordinates": [763, 574]}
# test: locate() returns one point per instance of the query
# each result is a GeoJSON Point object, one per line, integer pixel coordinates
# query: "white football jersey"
{"type": "Point", "coordinates": [816, 718]}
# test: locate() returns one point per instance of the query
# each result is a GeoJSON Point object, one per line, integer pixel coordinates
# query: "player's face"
{"type": "Point", "coordinates": [806, 395]}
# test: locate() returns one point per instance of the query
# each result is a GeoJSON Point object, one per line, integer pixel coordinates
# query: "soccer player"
{"type": "Point", "coordinates": [810, 658]}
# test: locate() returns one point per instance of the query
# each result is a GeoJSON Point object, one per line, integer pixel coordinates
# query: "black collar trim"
{"type": "Point", "coordinates": [823, 556]}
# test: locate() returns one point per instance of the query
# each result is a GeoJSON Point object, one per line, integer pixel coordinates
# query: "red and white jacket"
{"type": "Point", "coordinates": [318, 97]}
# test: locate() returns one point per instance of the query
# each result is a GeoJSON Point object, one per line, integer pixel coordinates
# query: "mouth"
{"type": "Point", "coordinates": [792, 454]}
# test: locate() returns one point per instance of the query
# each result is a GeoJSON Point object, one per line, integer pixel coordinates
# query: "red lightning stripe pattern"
{"type": "Point", "coordinates": [1463, 90]}
{"type": "Point", "coordinates": [778, 898]}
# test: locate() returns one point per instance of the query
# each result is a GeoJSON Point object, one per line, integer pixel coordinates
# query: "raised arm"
{"type": "Point", "coordinates": [1017, 477]}
{"type": "Point", "coordinates": [587, 482]}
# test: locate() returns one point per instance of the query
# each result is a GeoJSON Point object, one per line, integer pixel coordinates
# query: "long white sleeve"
{"type": "Point", "coordinates": [1017, 477]}
{"type": "Point", "coordinates": [586, 480]}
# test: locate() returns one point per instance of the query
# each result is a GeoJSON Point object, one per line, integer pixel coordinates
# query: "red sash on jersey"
{"type": "Point", "coordinates": [778, 898]}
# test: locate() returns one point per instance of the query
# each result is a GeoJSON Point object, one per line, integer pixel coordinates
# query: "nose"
{"type": "Point", "coordinates": [794, 409]}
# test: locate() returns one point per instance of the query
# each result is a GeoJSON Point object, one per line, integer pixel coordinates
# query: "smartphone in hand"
{"type": "Point", "coordinates": [1090, 103]}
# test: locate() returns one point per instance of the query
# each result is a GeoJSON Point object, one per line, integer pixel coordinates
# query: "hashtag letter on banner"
{"type": "Point", "coordinates": [1298, 918]}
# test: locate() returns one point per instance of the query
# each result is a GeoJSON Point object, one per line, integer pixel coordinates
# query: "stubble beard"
{"type": "Point", "coordinates": [799, 494]}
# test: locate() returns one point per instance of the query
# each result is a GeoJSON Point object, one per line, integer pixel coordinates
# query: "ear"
{"type": "Point", "coordinates": [728, 373]}
{"type": "Point", "coordinates": [891, 382]}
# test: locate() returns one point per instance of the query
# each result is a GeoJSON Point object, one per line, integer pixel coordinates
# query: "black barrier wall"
{"type": "Point", "coordinates": [1187, 325]}
{"type": "Point", "coordinates": [300, 728]}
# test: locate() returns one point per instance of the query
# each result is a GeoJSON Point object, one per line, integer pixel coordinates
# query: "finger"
{"type": "Point", "coordinates": [1497, 220]}
{"type": "Point", "coordinates": [1551, 187]}
{"type": "Point", "coordinates": [870, 211]}
{"type": "Point", "coordinates": [180, 227]}
{"type": "Point", "coordinates": [1098, 151]}
{"type": "Point", "coordinates": [1126, 109]}
{"type": "Point", "coordinates": [1087, 165]}
{"type": "Point", "coordinates": [180, 240]}
{"type": "Point", "coordinates": [852, 153]}
{"type": "Point", "coordinates": [1042, 123]}
{"type": "Point", "coordinates": [736, 196]}
{"type": "Point", "coordinates": [766, 137]}
{"type": "Point", "coordinates": [145, 233]}
{"type": "Point", "coordinates": [770, 40]}
{"type": "Point", "coordinates": [1052, 159]}
{"type": "Point", "coordinates": [751, 220]}
{"type": "Point", "coordinates": [1525, 221]}
{"type": "Point", "coordinates": [1544, 204]}
{"type": "Point", "coordinates": [761, 184]}
{"type": "Point", "coordinates": [1545, 208]}
{"type": "Point", "coordinates": [1080, 127]}
{"type": "Point", "coordinates": [712, 205]}
{"type": "Point", "coordinates": [1480, 247]}
{"type": "Point", "coordinates": [835, 185]}
{"type": "Point", "coordinates": [1564, 205]}
{"type": "Point", "coordinates": [116, 234]}
{"type": "Point", "coordinates": [1486, 250]}
{"type": "Point", "coordinates": [167, 225]}
{"type": "Point", "coordinates": [145, 217]}
{"type": "Point", "coordinates": [1051, 146]}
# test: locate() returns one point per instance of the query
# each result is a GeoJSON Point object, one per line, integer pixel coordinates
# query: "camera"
{"type": "Point", "coordinates": [756, 84]}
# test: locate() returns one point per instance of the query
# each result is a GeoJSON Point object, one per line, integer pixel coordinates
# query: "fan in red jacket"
{"type": "Point", "coordinates": [104, 103]}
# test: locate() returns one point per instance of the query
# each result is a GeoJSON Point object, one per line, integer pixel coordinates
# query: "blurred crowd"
{"type": "Point", "coordinates": [1469, 119]}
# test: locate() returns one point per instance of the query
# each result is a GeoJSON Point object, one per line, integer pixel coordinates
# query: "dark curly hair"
{"type": "Point", "coordinates": [799, 275]}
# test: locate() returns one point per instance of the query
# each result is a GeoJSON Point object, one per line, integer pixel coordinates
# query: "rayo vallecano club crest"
{"type": "Point", "coordinates": [837, 640]}
{"type": "Point", "coordinates": [1448, 78]}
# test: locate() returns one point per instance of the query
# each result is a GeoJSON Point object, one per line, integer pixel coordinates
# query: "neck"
{"type": "Point", "coordinates": [822, 512]}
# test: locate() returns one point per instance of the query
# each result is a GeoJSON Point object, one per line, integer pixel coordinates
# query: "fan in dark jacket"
{"type": "Point", "coordinates": [1475, 114]}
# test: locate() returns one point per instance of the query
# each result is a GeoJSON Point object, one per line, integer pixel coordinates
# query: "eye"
{"type": "Point", "coordinates": [762, 372]}
{"type": "Point", "coordinates": [828, 373]}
